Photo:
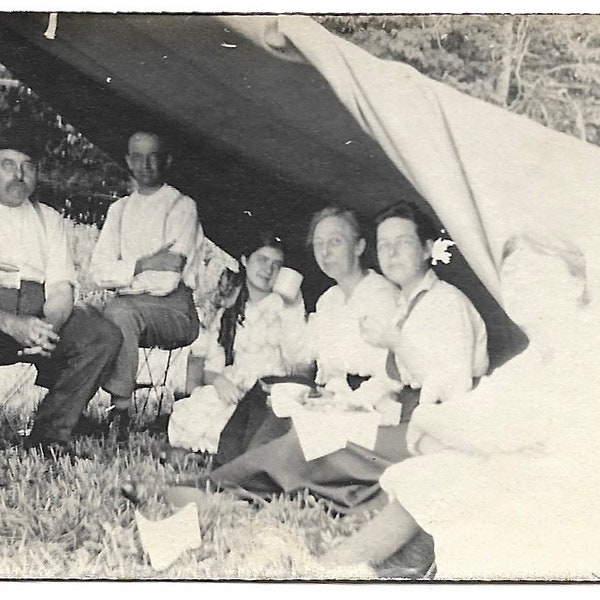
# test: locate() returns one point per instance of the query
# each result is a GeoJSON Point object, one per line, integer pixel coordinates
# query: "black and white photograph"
{"type": "Point", "coordinates": [299, 297]}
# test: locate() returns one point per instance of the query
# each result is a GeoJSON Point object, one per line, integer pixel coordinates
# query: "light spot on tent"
{"type": "Point", "coordinates": [50, 32]}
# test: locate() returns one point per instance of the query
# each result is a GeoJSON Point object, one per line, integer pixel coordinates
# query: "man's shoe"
{"type": "Point", "coordinates": [90, 427]}
{"type": "Point", "coordinates": [119, 425]}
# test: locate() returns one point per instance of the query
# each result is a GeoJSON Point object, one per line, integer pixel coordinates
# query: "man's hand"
{"type": "Point", "coordinates": [378, 333]}
{"type": "Point", "coordinates": [162, 260]}
{"type": "Point", "coordinates": [36, 336]}
{"type": "Point", "coordinates": [228, 392]}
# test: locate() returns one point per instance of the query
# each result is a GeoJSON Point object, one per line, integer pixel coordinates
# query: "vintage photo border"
{"type": "Point", "coordinates": [278, 589]}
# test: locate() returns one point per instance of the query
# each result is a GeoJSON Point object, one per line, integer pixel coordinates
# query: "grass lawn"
{"type": "Point", "coordinates": [69, 519]}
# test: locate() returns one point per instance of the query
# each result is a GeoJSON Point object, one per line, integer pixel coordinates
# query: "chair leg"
{"type": "Point", "coordinates": [155, 385]}
{"type": "Point", "coordinates": [152, 385]}
{"type": "Point", "coordinates": [145, 364]}
{"type": "Point", "coordinates": [164, 383]}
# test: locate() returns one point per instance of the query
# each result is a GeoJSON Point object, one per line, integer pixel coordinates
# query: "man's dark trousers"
{"type": "Point", "coordinates": [81, 361]}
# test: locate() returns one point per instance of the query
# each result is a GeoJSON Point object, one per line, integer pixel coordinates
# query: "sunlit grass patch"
{"type": "Point", "coordinates": [63, 518]}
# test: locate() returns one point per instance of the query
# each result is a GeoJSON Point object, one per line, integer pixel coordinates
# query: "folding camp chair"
{"type": "Point", "coordinates": [153, 377]}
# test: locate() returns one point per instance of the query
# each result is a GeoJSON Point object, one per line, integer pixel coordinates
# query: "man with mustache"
{"type": "Point", "coordinates": [145, 253]}
{"type": "Point", "coordinates": [73, 348]}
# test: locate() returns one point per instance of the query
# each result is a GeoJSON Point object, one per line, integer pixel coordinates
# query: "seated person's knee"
{"type": "Point", "coordinates": [118, 312]}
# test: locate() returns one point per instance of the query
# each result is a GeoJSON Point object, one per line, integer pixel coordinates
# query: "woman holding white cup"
{"type": "Point", "coordinates": [287, 285]}
{"type": "Point", "coordinates": [260, 334]}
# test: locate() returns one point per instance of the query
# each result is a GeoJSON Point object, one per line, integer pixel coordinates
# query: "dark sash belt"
{"type": "Point", "coordinates": [27, 300]}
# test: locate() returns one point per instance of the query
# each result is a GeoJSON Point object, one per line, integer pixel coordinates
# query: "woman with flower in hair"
{"type": "Point", "coordinates": [436, 339]}
{"type": "Point", "coordinates": [257, 335]}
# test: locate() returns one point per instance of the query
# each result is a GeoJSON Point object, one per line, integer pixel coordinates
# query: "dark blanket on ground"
{"type": "Point", "coordinates": [261, 453]}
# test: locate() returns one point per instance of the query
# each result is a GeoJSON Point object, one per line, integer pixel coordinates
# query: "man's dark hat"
{"type": "Point", "coordinates": [22, 138]}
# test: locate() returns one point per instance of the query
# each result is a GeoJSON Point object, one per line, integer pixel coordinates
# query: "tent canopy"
{"type": "Point", "coordinates": [245, 126]}
{"type": "Point", "coordinates": [250, 132]}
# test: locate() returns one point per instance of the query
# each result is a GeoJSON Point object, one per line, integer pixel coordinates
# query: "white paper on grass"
{"type": "Point", "coordinates": [166, 540]}
{"type": "Point", "coordinates": [321, 433]}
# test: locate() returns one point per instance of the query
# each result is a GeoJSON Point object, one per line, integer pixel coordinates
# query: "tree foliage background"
{"type": "Point", "coordinates": [541, 66]}
{"type": "Point", "coordinates": [546, 67]}
{"type": "Point", "coordinates": [75, 175]}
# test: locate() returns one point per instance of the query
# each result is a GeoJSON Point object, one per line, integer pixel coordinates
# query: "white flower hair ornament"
{"type": "Point", "coordinates": [439, 251]}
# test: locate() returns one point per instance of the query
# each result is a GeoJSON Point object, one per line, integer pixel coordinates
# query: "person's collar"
{"type": "Point", "coordinates": [426, 283]}
{"type": "Point", "coordinates": [364, 274]}
{"type": "Point", "coordinates": [162, 188]}
{"type": "Point", "coordinates": [23, 206]}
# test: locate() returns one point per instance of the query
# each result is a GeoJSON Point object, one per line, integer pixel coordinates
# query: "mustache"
{"type": "Point", "coordinates": [15, 184]}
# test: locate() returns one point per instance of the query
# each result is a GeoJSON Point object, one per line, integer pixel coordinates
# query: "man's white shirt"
{"type": "Point", "coordinates": [138, 226]}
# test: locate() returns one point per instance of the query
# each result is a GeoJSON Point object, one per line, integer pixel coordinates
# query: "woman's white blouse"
{"type": "Point", "coordinates": [334, 329]}
{"type": "Point", "coordinates": [269, 342]}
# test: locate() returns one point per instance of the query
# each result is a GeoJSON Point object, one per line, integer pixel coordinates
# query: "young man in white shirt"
{"type": "Point", "coordinates": [146, 253]}
{"type": "Point", "coordinates": [73, 349]}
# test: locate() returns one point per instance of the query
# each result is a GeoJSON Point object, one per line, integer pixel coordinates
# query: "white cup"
{"type": "Point", "coordinates": [287, 284]}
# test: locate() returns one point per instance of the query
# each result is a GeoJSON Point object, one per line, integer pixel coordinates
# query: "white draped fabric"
{"type": "Point", "coordinates": [486, 172]}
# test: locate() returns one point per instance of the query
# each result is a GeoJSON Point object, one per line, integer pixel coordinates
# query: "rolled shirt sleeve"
{"type": "Point", "coordinates": [107, 269]}
{"type": "Point", "coordinates": [182, 227]}
{"type": "Point", "coordinates": [59, 266]}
